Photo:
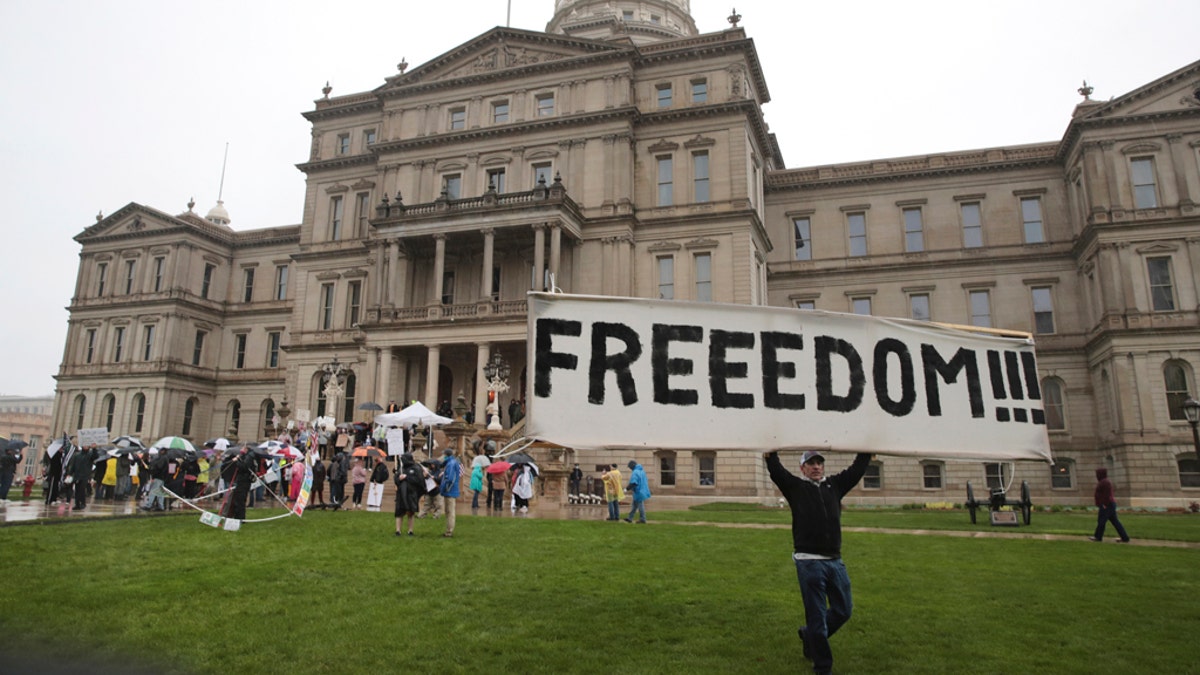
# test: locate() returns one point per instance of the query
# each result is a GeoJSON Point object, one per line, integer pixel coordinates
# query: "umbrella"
{"type": "Point", "coordinates": [368, 451]}
{"type": "Point", "coordinates": [174, 443]}
{"type": "Point", "coordinates": [480, 460]}
{"type": "Point", "coordinates": [272, 446]}
{"type": "Point", "coordinates": [15, 445]}
{"type": "Point", "coordinates": [498, 467]}
{"type": "Point", "coordinates": [129, 442]}
{"type": "Point", "coordinates": [369, 405]}
{"type": "Point", "coordinates": [413, 414]}
{"type": "Point", "coordinates": [288, 452]}
{"type": "Point", "coordinates": [217, 443]}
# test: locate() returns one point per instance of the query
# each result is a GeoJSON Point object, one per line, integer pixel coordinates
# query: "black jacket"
{"type": "Point", "coordinates": [817, 508]}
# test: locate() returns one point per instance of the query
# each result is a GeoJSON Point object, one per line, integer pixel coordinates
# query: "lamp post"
{"type": "Point", "coordinates": [496, 371]}
{"type": "Point", "coordinates": [1191, 410]}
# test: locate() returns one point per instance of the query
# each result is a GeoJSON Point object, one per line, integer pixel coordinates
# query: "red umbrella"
{"type": "Point", "coordinates": [287, 452]}
{"type": "Point", "coordinates": [498, 467]}
{"type": "Point", "coordinates": [368, 451]}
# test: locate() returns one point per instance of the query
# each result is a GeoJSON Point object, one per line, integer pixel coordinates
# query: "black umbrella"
{"type": "Point", "coordinates": [369, 405]}
{"type": "Point", "coordinates": [519, 458]}
{"type": "Point", "coordinates": [15, 445]}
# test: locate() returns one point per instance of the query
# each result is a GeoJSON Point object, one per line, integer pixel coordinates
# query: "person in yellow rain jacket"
{"type": "Point", "coordinates": [613, 492]}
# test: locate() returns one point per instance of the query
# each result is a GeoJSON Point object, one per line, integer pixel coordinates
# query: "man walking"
{"type": "Point", "coordinates": [1105, 498]}
{"type": "Point", "coordinates": [816, 503]}
{"type": "Point", "coordinates": [639, 490]}
{"type": "Point", "coordinates": [612, 492]}
{"type": "Point", "coordinates": [451, 473]}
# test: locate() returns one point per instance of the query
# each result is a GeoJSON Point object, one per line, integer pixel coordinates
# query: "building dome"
{"type": "Point", "coordinates": [641, 21]}
{"type": "Point", "coordinates": [218, 215]}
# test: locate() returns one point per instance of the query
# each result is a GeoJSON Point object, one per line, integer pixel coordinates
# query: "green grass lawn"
{"type": "Point", "coordinates": [337, 592]}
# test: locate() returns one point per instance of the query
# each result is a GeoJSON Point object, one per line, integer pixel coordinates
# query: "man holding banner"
{"type": "Point", "coordinates": [816, 503]}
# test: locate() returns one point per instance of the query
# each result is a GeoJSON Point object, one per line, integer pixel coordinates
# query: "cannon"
{"type": "Point", "coordinates": [999, 499]}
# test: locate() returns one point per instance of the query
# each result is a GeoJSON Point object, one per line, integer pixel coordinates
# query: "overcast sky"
{"type": "Point", "coordinates": [112, 101]}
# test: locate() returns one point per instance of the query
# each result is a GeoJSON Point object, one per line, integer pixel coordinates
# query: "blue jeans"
{"type": "Point", "coordinates": [1109, 513]}
{"type": "Point", "coordinates": [614, 510]}
{"type": "Point", "coordinates": [825, 588]}
{"type": "Point", "coordinates": [639, 507]}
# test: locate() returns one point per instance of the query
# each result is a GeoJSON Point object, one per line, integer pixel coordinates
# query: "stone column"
{"type": "Point", "coordinates": [555, 250]}
{"type": "Point", "coordinates": [439, 268]}
{"type": "Point", "coordinates": [1179, 166]}
{"type": "Point", "coordinates": [378, 292]}
{"type": "Point", "coordinates": [383, 381]}
{"type": "Point", "coordinates": [482, 354]}
{"type": "Point", "coordinates": [1095, 179]}
{"type": "Point", "coordinates": [393, 281]}
{"type": "Point", "coordinates": [400, 278]}
{"type": "Point", "coordinates": [433, 365]}
{"type": "Point", "coordinates": [1110, 279]}
{"type": "Point", "coordinates": [1111, 173]}
{"type": "Point", "coordinates": [489, 242]}
{"type": "Point", "coordinates": [539, 256]}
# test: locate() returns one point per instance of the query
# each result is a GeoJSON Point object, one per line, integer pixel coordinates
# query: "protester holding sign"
{"type": "Point", "coordinates": [816, 503]}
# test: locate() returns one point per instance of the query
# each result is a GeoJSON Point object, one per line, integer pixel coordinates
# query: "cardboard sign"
{"type": "Point", "coordinates": [625, 372]}
{"type": "Point", "coordinates": [96, 436]}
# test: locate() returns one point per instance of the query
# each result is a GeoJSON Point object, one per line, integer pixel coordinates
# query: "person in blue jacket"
{"type": "Point", "coordinates": [816, 504]}
{"type": "Point", "coordinates": [639, 490]}
{"type": "Point", "coordinates": [451, 473]}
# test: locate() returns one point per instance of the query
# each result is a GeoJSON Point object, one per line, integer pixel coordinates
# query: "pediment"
{"type": "Point", "coordinates": [498, 50]}
{"type": "Point", "coordinates": [1157, 247]}
{"type": "Point", "coordinates": [1178, 91]}
{"type": "Point", "coordinates": [134, 220]}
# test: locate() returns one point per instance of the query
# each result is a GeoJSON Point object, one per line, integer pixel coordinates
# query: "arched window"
{"type": "Point", "coordinates": [139, 412]}
{"type": "Point", "coordinates": [319, 386]}
{"type": "Point", "coordinates": [268, 421]}
{"type": "Point", "coordinates": [189, 411]}
{"type": "Point", "coordinates": [235, 415]}
{"type": "Point", "coordinates": [348, 396]}
{"type": "Point", "coordinates": [1175, 378]}
{"type": "Point", "coordinates": [1052, 402]}
{"type": "Point", "coordinates": [80, 410]}
{"type": "Point", "coordinates": [109, 406]}
{"type": "Point", "coordinates": [1189, 470]}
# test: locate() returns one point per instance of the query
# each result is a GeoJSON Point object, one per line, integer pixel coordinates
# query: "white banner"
{"type": "Point", "coordinates": [94, 436]}
{"type": "Point", "coordinates": [625, 372]}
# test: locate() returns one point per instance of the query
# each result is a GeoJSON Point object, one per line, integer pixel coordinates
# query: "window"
{"type": "Point", "coordinates": [369, 137]}
{"type": "Point", "coordinates": [1162, 291]}
{"type": "Point", "coordinates": [353, 302]}
{"type": "Point", "coordinates": [448, 287]}
{"type": "Point", "coordinates": [101, 278]}
{"type": "Point", "coordinates": [206, 282]}
{"type": "Point", "coordinates": [663, 95]}
{"type": "Point", "coordinates": [343, 144]}
{"type": "Point", "coordinates": [981, 309]}
{"type": "Point", "coordinates": [802, 230]}
{"type": "Point", "coordinates": [495, 283]}
{"type": "Point", "coordinates": [1175, 378]}
{"type": "Point", "coordinates": [542, 174]}
{"type": "Point", "coordinates": [931, 474]}
{"type": "Point", "coordinates": [239, 351]}
{"type": "Point", "coordinates": [919, 306]}
{"type": "Point", "coordinates": [248, 284]}
{"type": "Point", "coordinates": [326, 320]}
{"type": "Point", "coordinates": [89, 352]}
{"type": "Point", "coordinates": [914, 236]}
{"type": "Point", "coordinates": [806, 304]}
{"type": "Point", "coordinates": [699, 91]}
{"type": "Point", "coordinates": [700, 177]}
{"type": "Point", "coordinates": [198, 347]}
{"type": "Point", "coordinates": [1052, 404]}
{"type": "Point", "coordinates": [627, 15]}
{"type": "Point", "coordinates": [500, 112]}
{"type": "Point", "coordinates": [159, 265]}
{"type": "Point", "coordinates": [452, 185]}
{"type": "Point", "coordinates": [1189, 472]}
{"type": "Point", "coordinates": [130, 267]}
{"type": "Point", "coordinates": [189, 410]}
{"type": "Point", "coordinates": [281, 280]}
{"type": "Point", "coordinates": [861, 306]}
{"type": "Point", "coordinates": [655, 19]}
{"type": "Point", "coordinates": [1043, 310]}
{"type": "Point", "coordinates": [873, 477]}
{"type": "Point", "coordinates": [545, 105]}
{"type": "Point", "coordinates": [666, 278]}
{"type": "Point", "coordinates": [80, 410]}
{"type": "Point", "coordinates": [704, 277]}
{"type": "Point", "coordinates": [856, 224]}
{"type": "Point", "coordinates": [1145, 195]}
{"type": "Point", "coordinates": [1061, 475]}
{"type": "Point", "coordinates": [458, 119]}
{"type": "Point", "coordinates": [665, 181]}
{"type": "Point", "coordinates": [110, 409]}
{"type": "Point", "coordinates": [273, 349]}
{"type": "Point", "coordinates": [996, 475]}
{"type": "Point", "coordinates": [972, 225]}
{"type": "Point", "coordinates": [666, 469]}
{"type": "Point", "coordinates": [1031, 219]}
{"type": "Point", "coordinates": [495, 178]}
{"type": "Point", "coordinates": [118, 343]}
{"type": "Point", "coordinates": [706, 465]}
{"type": "Point", "coordinates": [362, 211]}
{"type": "Point", "coordinates": [139, 413]}
{"type": "Point", "coordinates": [336, 212]}
{"type": "Point", "coordinates": [147, 341]}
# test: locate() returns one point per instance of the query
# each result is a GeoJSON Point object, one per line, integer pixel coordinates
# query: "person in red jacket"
{"type": "Point", "coordinates": [1108, 507]}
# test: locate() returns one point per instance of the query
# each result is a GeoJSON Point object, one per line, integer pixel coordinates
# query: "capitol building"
{"type": "Point", "coordinates": [622, 152]}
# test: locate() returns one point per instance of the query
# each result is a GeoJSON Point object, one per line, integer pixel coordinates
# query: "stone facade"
{"type": "Point", "coordinates": [621, 152]}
